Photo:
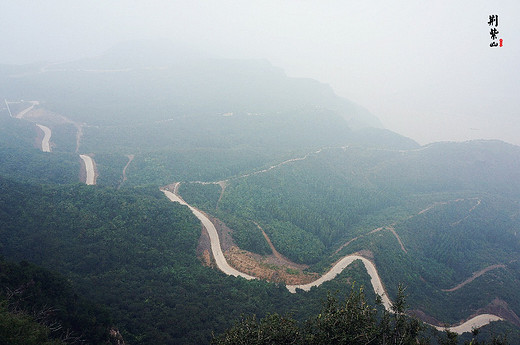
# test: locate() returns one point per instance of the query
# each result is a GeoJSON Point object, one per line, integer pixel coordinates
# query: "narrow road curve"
{"type": "Point", "coordinates": [25, 111]}
{"type": "Point", "coordinates": [469, 212]}
{"type": "Point", "coordinates": [89, 167]}
{"type": "Point", "coordinates": [475, 322]}
{"type": "Point", "coordinates": [7, 106]}
{"type": "Point", "coordinates": [223, 185]}
{"type": "Point", "coordinates": [290, 161]}
{"type": "Point", "coordinates": [474, 276]}
{"type": "Point", "coordinates": [46, 146]}
{"type": "Point", "coordinates": [356, 238]}
{"type": "Point", "coordinates": [130, 159]}
{"type": "Point", "coordinates": [339, 267]}
{"type": "Point", "coordinates": [268, 240]}
{"type": "Point", "coordinates": [392, 229]}
{"type": "Point", "coordinates": [222, 264]}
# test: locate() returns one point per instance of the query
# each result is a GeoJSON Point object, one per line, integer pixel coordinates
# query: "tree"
{"type": "Point", "coordinates": [273, 329]}
{"type": "Point", "coordinates": [352, 322]}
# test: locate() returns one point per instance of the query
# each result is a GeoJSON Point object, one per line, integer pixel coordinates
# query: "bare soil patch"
{"type": "Point", "coordinates": [421, 315]}
{"type": "Point", "coordinates": [269, 267]}
{"type": "Point", "coordinates": [39, 138]}
{"type": "Point", "coordinates": [277, 258]}
{"type": "Point", "coordinates": [366, 253]}
{"type": "Point", "coordinates": [204, 249]}
{"type": "Point", "coordinates": [46, 116]}
{"type": "Point", "coordinates": [224, 233]}
{"type": "Point", "coordinates": [500, 308]}
{"type": "Point", "coordinates": [264, 267]}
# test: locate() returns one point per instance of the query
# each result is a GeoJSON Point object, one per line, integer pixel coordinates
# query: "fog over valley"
{"type": "Point", "coordinates": [425, 70]}
{"type": "Point", "coordinates": [274, 172]}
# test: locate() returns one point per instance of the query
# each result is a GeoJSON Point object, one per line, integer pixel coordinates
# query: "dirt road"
{"type": "Point", "coordinates": [474, 276]}
{"type": "Point", "coordinates": [222, 264]}
{"type": "Point", "coordinates": [339, 267]}
{"type": "Point", "coordinates": [46, 147]}
{"type": "Point", "coordinates": [220, 260]}
{"type": "Point", "coordinates": [89, 167]}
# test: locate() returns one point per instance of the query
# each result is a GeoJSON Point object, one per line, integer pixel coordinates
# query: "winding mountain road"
{"type": "Point", "coordinates": [474, 322]}
{"type": "Point", "coordinates": [7, 106]}
{"type": "Point", "coordinates": [339, 267]}
{"type": "Point", "coordinates": [220, 260]}
{"type": "Point", "coordinates": [222, 264]}
{"type": "Point", "coordinates": [25, 111]}
{"type": "Point", "coordinates": [46, 146]}
{"type": "Point", "coordinates": [89, 167]}
{"type": "Point", "coordinates": [474, 276]}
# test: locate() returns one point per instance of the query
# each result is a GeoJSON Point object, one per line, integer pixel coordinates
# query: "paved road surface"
{"type": "Point", "coordinates": [89, 165]}
{"type": "Point", "coordinates": [477, 321]}
{"type": "Point", "coordinates": [46, 147]}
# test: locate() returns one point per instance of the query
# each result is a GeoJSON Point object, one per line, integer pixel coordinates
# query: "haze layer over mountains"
{"type": "Point", "coordinates": [293, 177]}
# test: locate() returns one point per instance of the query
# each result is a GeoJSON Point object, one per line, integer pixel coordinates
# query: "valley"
{"type": "Point", "coordinates": [292, 204]}
{"type": "Point", "coordinates": [465, 326]}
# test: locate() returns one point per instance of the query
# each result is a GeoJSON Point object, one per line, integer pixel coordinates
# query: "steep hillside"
{"type": "Point", "coordinates": [22, 158]}
{"type": "Point", "coordinates": [428, 217]}
{"type": "Point", "coordinates": [40, 307]}
{"type": "Point", "coordinates": [135, 253]}
{"type": "Point", "coordinates": [153, 82]}
{"type": "Point", "coordinates": [280, 165]}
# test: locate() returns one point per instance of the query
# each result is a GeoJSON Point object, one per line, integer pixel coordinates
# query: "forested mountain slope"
{"type": "Point", "coordinates": [22, 159]}
{"type": "Point", "coordinates": [239, 113]}
{"type": "Point", "coordinates": [428, 217]}
{"type": "Point", "coordinates": [135, 253]}
{"type": "Point", "coordinates": [157, 82]}
{"type": "Point", "coordinates": [262, 153]}
{"type": "Point", "coordinates": [40, 307]}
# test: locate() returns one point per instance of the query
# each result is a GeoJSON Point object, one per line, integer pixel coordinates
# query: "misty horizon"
{"type": "Point", "coordinates": [170, 166]}
{"type": "Point", "coordinates": [426, 71]}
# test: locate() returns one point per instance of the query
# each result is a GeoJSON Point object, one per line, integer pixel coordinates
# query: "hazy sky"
{"type": "Point", "coordinates": [425, 68]}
